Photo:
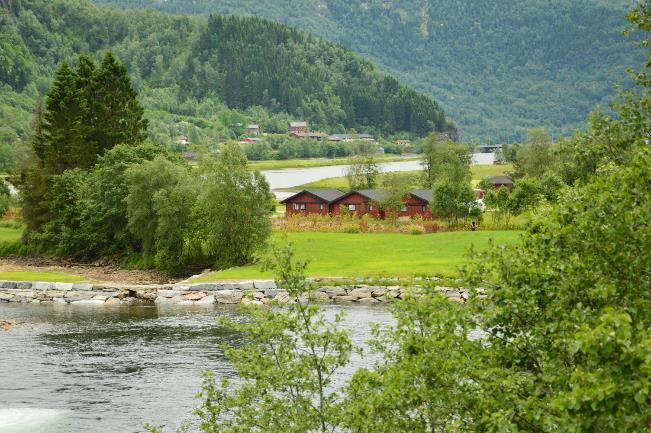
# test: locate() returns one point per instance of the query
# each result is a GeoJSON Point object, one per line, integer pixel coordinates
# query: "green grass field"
{"type": "Point", "coordinates": [10, 234]}
{"type": "Point", "coordinates": [317, 162]}
{"type": "Point", "coordinates": [377, 254]}
{"type": "Point", "coordinates": [40, 276]}
{"type": "Point", "coordinates": [478, 173]}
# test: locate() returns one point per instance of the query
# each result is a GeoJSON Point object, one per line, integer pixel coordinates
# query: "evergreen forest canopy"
{"type": "Point", "coordinates": [498, 67]}
{"type": "Point", "coordinates": [199, 77]}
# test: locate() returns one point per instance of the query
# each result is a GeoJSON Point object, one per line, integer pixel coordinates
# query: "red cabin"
{"type": "Point", "coordinates": [417, 204]}
{"type": "Point", "coordinates": [297, 127]}
{"type": "Point", "coordinates": [312, 201]}
{"type": "Point", "coordinates": [361, 203]}
{"type": "Point", "coordinates": [501, 181]}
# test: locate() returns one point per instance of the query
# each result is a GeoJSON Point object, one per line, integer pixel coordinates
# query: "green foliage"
{"type": "Point", "coordinates": [232, 209]}
{"type": "Point", "coordinates": [288, 364]}
{"type": "Point", "coordinates": [445, 161]}
{"type": "Point", "coordinates": [159, 202]}
{"type": "Point", "coordinates": [362, 172]}
{"type": "Point", "coordinates": [536, 156]}
{"type": "Point", "coordinates": [499, 67]}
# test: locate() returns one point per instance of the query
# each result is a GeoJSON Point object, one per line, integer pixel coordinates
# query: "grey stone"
{"type": "Point", "coordinates": [360, 293]}
{"type": "Point", "coordinates": [344, 299]}
{"type": "Point", "coordinates": [9, 285]}
{"type": "Point", "coordinates": [78, 296]}
{"type": "Point", "coordinates": [333, 290]}
{"type": "Point", "coordinates": [227, 286]}
{"type": "Point", "coordinates": [23, 285]}
{"type": "Point", "coordinates": [169, 293]}
{"type": "Point", "coordinates": [380, 291]}
{"type": "Point", "coordinates": [112, 301]}
{"type": "Point", "coordinates": [63, 286]}
{"type": "Point", "coordinates": [245, 285]}
{"type": "Point", "coordinates": [393, 293]}
{"type": "Point", "coordinates": [204, 287]}
{"type": "Point", "coordinates": [100, 298]}
{"type": "Point", "coordinates": [88, 302]}
{"type": "Point", "coordinates": [368, 301]}
{"type": "Point", "coordinates": [228, 297]}
{"type": "Point", "coordinates": [272, 293]}
{"type": "Point", "coordinates": [4, 296]}
{"type": "Point", "coordinates": [265, 285]}
{"type": "Point", "coordinates": [35, 301]}
{"type": "Point", "coordinates": [43, 286]}
{"type": "Point", "coordinates": [282, 297]}
{"type": "Point", "coordinates": [146, 294]}
{"type": "Point", "coordinates": [320, 297]}
{"type": "Point", "coordinates": [163, 300]}
{"type": "Point", "coordinates": [210, 299]}
{"type": "Point", "coordinates": [186, 302]}
{"type": "Point", "coordinates": [81, 287]}
{"type": "Point", "coordinates": [258, 295]}
{"type": "Point", "coordinates": [60, 301]}
{"type": "Point", "coordinates": [178, 299]}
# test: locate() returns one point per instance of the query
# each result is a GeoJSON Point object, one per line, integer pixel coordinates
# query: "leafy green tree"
{"type": "Point", "coordinates": [159, 203]}
{"type": "Point", "coordinates": [288, 364]}
{"type": "Point", "coordinates": [362, 172]}
{"type": "Point", "coordinates": [233, 208]}
{"type": "Point", "coordinates": [536, 157]}
{"type": "Point", "coordinates": [445, 161]}
{"type": "Point", "coordinates": [452, 200]}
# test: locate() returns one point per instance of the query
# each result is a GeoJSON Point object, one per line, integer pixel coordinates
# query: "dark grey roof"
{"type": "Point", "coordinates": [500, 180]}
{"type": "Point", "coordinates": [373, 194]}
{"type": "Point", "coordinates": [423, 194]}
{"type": "Point", "coordinates": [342, 137]}
{"type": "Point", "coordinates": [326, 194]}
{"type": "Point", "coordinates": [297, 124]}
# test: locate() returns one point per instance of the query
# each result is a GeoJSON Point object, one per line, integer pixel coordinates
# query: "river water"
{"type": "Point", "coordinates": [291, 177]}
{"type": "Point", "coordinates": [73, 369]}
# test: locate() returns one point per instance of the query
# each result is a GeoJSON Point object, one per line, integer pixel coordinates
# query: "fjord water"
{"type": "Point", "coordinates": [70, 369]}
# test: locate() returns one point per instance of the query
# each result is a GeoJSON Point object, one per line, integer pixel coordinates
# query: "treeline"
{"type": "Point", "coordinates": [498, 67]}
{"type": "Point", "coordinates": [200, 77]}
{"type": "Point", "coordinates": [92, 186]}
{"type": "Point", "coordinates": [250, 61]}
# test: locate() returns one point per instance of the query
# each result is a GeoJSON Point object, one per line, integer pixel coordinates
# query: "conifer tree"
{"type": "Point", "coordinates": [118, 114]}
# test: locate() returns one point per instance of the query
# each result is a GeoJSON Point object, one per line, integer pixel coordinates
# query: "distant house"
{"type": "Point", "coordinates": [253, 129]}
{"type": "Point", "coordinates": [313, 201]}
{"type": "Point", "coordinates": [501, 181]}
{"type": "Point", "coordinates": [297, 127]}
{"type": "Point", "coordinates": [318, 136]}
{"type": "Point", "coordinates": [350, 137]}
{"type": "Point", "coordinates": [250, 140]}
{"type": "Point", "coordinates": [403, 142]}
{"type": "Point", "coordinates": [480, 194]}
{"type": "Point", "coordinates": [183, 140]}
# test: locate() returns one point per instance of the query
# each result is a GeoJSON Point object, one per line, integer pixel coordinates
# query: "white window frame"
{"type": "Point", "coordinates": [403, 208]}
{"type": "Point", "coordinates": [352, 207]}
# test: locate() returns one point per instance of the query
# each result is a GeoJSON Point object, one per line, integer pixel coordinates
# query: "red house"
{"type": "Point", "coordinates": [297, 127]}
{"type": "Point", "coordinates": [361, 203]}
{"type": "Point", "coordinates": [312, 201]}
{"type": "Point", "coordinates": [416, 204]}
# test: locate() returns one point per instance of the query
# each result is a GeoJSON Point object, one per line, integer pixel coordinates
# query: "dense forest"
{"type": "Point", "coordinates": [203, 78]}
{"type": "Point", "coordinates": [498, 67]}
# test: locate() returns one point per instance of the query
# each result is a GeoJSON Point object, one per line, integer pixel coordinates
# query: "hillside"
{"type": "Point", "coordinates": [498, 67]}
{"type": "Point", "coordinates": [201, 76]}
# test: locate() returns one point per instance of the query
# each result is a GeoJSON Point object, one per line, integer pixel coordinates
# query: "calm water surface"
{"type": "Point", "coordinates": [108, 370]}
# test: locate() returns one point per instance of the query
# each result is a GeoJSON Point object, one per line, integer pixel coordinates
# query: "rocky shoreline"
{"type": "Point", "coordinates": [250, 292]}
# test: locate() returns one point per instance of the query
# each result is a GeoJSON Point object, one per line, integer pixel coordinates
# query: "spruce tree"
{"type": "Point", "coordinates": [66, 131]}
{"type": "Point", "coordinates": [117, 112]}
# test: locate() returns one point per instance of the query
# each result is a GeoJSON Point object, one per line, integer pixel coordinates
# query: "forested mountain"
{"type": "Point", "coordinates": [498, 67]}
{"type": "Point", "coordinates": [200, 76]}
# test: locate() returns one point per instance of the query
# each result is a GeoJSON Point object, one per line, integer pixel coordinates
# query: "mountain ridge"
{"type": "Point", "coordinates": [498, 67]}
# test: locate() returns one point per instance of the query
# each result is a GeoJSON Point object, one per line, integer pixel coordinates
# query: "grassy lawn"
{"type": "Point", "coordinates": [316, 162]}
{"type": "Point", "coordinates": [377, 254]}
{"type": "Point", "coordinates": [40, 276]}
{"type": "Point", "coordinates": [478, 173]}
{"type": "Point", "coordinates": [10, 234]}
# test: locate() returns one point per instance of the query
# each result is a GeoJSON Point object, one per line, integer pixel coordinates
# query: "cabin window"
{"type": "Point", "coordinates": [424, 209]}
{"type": "Point", "coordinates": [370, 207]}
{"type": "Point", "coordinates": [302, 206]}
{"type": "Point", "coordinates": [299, 206]}
{"type": "Point", "coordinates": [403, 208]}
{"type": "Point", "coordinates": [321, 206]}
{"type": "Point", "coordinates": [352, 207]}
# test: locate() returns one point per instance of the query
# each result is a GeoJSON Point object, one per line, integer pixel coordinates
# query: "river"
{"type": "Point", "coordinates": [291, 177]}
{"type": "Point", "coordinates": [109, 370]}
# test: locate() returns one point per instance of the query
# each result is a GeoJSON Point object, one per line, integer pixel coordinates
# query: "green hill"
{"type": "Point", "coordinates": [498, 67]}
{"type": "Point", "coordinates": [204, 77]}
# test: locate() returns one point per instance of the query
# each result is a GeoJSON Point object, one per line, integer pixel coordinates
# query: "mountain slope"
{"type": "Point", "coordinates": [498, 67]}
{"type": "Point", "coordinates": [211, 73]}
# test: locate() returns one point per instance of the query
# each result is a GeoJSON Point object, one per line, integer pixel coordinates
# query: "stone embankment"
{"type": "Point", "coordinates": [255, 292]}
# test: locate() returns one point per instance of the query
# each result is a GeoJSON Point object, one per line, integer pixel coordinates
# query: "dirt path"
{"type": "Point", "coordinates": [99, 271]}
